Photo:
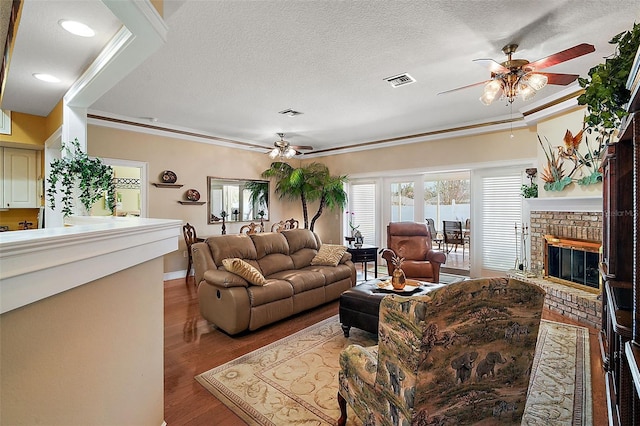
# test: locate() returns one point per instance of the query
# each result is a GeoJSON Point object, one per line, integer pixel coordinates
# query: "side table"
{"type": "Point", "coordinates": [364, 254]}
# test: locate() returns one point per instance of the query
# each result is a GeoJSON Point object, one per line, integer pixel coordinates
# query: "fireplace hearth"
{"type": "Point", "coordinates": [577, 221]}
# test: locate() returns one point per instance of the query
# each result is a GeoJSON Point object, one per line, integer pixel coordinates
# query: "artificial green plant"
{"type": "Point", "coordinates": [605, 92]}
{"type": "Point", "coordinates": [91, 176]}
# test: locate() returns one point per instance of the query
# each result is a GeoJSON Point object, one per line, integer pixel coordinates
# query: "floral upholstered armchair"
{"type": "Point", "coordinates": [459, 355]}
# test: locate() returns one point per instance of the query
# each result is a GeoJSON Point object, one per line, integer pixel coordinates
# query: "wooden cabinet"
{"type": "Point", "coordinates": [620, 336]}
{"type": "Point", "coordinates": [617, 331]}
{"type": "Point", "coordinates": [617, 220]}
{"type": "Point", "coordinates": [19, 179]}
{"type": "Point", "coordinates": [616, 269]}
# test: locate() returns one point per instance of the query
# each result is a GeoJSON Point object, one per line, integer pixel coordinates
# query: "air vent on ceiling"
{"type": "Point", "coordinates": [290, 112]}
{"type": "Point", "coordinates": [400, 80]}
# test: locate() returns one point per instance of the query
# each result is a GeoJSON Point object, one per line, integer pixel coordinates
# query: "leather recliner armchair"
{"type": "Point", "coordinates": [412, 241]}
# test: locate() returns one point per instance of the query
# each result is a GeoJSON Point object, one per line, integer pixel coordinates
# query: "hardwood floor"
{"type": "Point", "coordinates": [192, 347]}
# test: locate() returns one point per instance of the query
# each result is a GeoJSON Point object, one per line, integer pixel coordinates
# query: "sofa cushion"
{"type": "Point", "coordinates": [246, 271]}
{"type": "Point", "coordinates": [268, 243]}
{"type": "Point", "coordinates": [329, 255]}
{"type": "Point", "coordinates": [332, 274]}
{"type": "Point", "coordinates": [303, 246]}
{"type": "Point", "coordinates": [302, 258]}
{"type": "Point", "coordinates": [226, 246]}
{"type": "Point", "coordinates": [270, 292]}
{"type": "Point", "coordinates": [299, 239]}
{"type": "Point", "coordinates": [301, 280]}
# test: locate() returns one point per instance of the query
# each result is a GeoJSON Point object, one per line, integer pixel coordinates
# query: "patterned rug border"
{"type": "Point", "coordinates": [582, 414]}
{"type": "Point", "coordinates": [582, 407]}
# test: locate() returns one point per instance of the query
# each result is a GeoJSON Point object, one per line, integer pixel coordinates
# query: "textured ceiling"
{"type": "Point", "coordinates": [228, 67]}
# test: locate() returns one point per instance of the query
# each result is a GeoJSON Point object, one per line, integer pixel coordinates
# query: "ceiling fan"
{"type": "Point", "coordinates": [285, 150]}
{"type": "Point", "coordinates": [515, 77]}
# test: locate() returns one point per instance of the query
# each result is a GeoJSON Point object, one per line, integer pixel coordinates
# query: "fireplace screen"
{"type": "Point", "coordinates": [573, 261]}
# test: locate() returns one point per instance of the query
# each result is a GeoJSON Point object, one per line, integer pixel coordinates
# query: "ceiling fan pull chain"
{"type": "Point", "coordinates": [511, 121]}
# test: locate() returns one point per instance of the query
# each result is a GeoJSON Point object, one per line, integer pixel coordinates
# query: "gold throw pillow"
{"type": "Point", "coordinates": [329, 255]}
{"type": "Point", "coordinates": [245, 270]}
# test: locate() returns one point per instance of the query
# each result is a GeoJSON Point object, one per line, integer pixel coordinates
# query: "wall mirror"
{"type": "Point", "coordinates": [237, 200]}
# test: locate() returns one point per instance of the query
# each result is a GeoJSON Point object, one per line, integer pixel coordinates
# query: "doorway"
{"type": "Point", "coordinates": [131, 196]}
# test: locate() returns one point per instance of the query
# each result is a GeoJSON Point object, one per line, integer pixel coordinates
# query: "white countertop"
{"type": "Point", "coordinates": [39, 263]}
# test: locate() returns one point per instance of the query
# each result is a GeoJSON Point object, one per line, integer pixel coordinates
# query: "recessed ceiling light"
{"type": "Point", "coordinates": [46, 77]}
{"type": "Point", "coordinates": [77, 28]}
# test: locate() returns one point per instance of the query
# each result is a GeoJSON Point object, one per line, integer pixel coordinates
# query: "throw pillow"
{"type": "Point", "coordinates": [329, 255]}
{"type": "Point", "coordinates": [245, 270]}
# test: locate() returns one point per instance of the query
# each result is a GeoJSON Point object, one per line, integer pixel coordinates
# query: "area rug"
{"type": "Point", "coordinates": [294, 381]}
{"type": "Point", "coordinates": [560, 392]}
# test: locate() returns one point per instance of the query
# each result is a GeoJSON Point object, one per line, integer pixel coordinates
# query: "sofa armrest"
{"type": "Point", "coordinates": [224, 279]}
{"type": "Point", "coordinates": [202, 260]}
{"type": "Point", "coordinates": [345, 257]}
{"type": "Point", "coordinates": [434, 256]}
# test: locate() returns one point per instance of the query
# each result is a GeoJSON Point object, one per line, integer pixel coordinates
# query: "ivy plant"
{"type": "Point", "coordinates": [91, 176]}
{"type": "Point", "coordinates": [529, 191]}
{"type": "Point", "coordinates": [605, 92]}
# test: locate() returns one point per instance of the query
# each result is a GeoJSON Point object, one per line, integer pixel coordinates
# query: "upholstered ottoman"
{"type": "Point", "coordinates": [359, 305]}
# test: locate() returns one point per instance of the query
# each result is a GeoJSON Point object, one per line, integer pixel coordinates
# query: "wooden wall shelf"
{"type": "Point", "coordinates": [196, 203]}
{"type": "Point", "coordinates": [166, 185]}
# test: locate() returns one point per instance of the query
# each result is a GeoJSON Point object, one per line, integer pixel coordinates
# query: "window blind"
{"type": "Point", "coordinates": [363, 204]}
{"type": "Point", "coordinates": [501, 211]}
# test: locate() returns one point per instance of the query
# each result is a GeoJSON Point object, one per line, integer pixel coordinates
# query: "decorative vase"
{"type": "Point", "coordinates": [398, 279]}
{"type": "Point", "coordinates": [358, 239]}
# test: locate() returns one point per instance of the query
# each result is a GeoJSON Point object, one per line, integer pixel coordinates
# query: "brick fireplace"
{"type": "Point", "coordinates": [570, 218]}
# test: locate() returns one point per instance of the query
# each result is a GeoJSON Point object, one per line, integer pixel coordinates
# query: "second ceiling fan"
{"type": "Point", "coordinates": [285, 150]}
{"type": "Point", "coordinates": [515, 77]}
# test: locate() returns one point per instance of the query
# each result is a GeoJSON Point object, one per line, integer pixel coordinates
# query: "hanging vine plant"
{"type": "Point", "coordinates": [605, 92]}
{"type": "Point", "coordinates": [91, 176]}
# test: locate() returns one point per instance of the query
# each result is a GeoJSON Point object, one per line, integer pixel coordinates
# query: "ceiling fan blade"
{"type": "Point", "coordinates": [299, 147]}
{"type": "Point", "coordinates": [465, 87]}
{"type": "Point", "coordinates": [493, 66]}
{"type": "Point", "coordinates": [559, 79]}
{"type": "Point", "coordinates": [565, 55]}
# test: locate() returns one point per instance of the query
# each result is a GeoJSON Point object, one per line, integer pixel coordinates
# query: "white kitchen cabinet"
{"type": "Point", "coordinates": [19, 179]}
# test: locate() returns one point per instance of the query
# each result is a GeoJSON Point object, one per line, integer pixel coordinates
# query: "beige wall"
{"type": "Point", "coordinates": [192, 162]}
{"type": "Point", "coordinates": [442, 154]}
{"type": "Point", "coordinates": [89, 356]}
{"type": "Point", "coordinates": [468, 150]}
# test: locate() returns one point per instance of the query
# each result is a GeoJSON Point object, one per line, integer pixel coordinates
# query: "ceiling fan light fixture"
{"type": "Point", "coordinates": [492, 90]}
{"type": "Point", "coordinates": [289, 153]}
{"type": "Point", "coordinates": [537, 81]}
{"type": "Point", "coordinates": [275, 152]}
{"type": "Point", "coordinates": [526, 91]}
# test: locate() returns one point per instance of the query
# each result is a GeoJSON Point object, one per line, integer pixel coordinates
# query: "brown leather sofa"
{"type": "Point", "coordinates": [293, 284]}
{"type": "Point", "coordinates": [412, 241]}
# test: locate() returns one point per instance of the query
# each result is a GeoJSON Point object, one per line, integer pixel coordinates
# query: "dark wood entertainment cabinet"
{"type": "Point", "coordinates": [620, 335]}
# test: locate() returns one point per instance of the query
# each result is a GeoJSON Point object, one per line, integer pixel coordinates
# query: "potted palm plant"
{"type": "Point", "coordinates": [309, 183]}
